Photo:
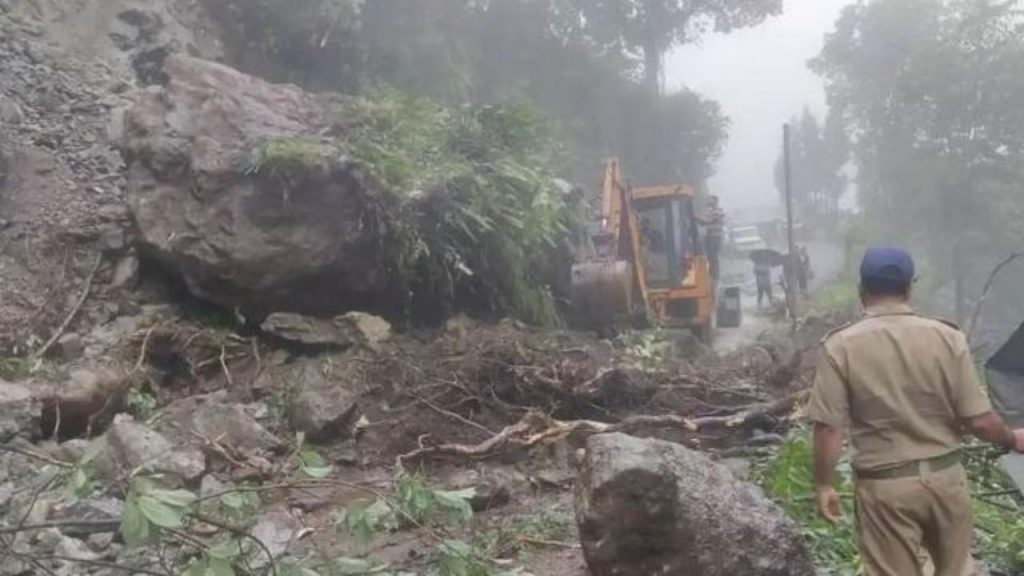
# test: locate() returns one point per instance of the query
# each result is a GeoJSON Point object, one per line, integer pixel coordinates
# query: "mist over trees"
{"type": "Point", "coordinates": [930, 92]}
{"type": "Point", "coordinates": [580, 64]}
{"type": "Point", "coordinates": [818, 155]}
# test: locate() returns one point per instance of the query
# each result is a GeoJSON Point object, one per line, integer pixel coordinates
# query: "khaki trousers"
{"type": "Point", "coordinates": [903, 522]}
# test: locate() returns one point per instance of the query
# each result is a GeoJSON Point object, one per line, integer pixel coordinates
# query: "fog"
{"type": "Point", "coordinates": [760, 77]}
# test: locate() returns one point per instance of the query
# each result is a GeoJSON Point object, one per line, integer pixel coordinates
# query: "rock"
{"type": "Point", "coordinates": [132, 445]}
{"type": "Point", "coordinates": [73, 549]}
{"type": "Point", "coordinates": [738, 467]}
{"type": "Point", "coordinates": [19, 411]}
{"type": "Point", "coordinates": [339, 333]}
{"type": "Point", "coordinates": [82, 403]}
{"type": "Point", "coordinates": [100, 542]}
{"type": "Point", "coordinates": [278, 530]}
{"type": "Point", "coordinates": [371, 330]}
{"type": "Point", "coordinates": [92, 510]}
{"type": "Point", "coordinates": [233, 232]}
{"type": "Point", "coordinates": [71, 451]}
{"type": "Point", "coordinates": [649, 507]}
{"type": "Point", "coordinates": [308, 332]}
{"type": "Point", "coordinates": [322, 403]}
{"type": "Point", "coordinates": [69, 347]}
{"type": "Point", "coordinates": [214, 418]}
{"type": "Point", "coordinates": [126, 273]}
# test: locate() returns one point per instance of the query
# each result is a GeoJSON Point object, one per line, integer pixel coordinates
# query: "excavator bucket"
{"type": "Point", "coordinates": [602, 294]}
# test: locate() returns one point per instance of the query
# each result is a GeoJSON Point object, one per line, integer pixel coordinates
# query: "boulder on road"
{"type": "Point", "coordinates": [649, 507]}
{"type": "Point", "coordinates": [241, 187]}
{"type": "Point", "coordinates": [339, 333]}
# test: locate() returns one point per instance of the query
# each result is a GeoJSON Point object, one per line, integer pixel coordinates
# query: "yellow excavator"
{"type": "Point", "coordinates": [646, 265]}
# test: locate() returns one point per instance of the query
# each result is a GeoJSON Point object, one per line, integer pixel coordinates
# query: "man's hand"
{"type": "Point", "coordinates": [829, 505]}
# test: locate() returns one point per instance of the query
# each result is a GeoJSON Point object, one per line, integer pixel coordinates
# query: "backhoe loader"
{"type": "Point", "coordinates": [646, 266]}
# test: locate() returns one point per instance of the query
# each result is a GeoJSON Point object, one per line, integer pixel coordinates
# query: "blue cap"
{"type": "Point", "coordinates": [885, 263]}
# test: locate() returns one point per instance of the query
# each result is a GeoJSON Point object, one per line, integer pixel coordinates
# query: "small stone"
{"type": "Point", "coordinates": [69, 347]}
{"type": "Point", "coordinates": [126, 273]}
{"type": "Point", "coordinates": [100, 542]}
{"type": "Point", "coordinates": [91, 510]}
{"type": "Point", "coordinates": [278, 530]}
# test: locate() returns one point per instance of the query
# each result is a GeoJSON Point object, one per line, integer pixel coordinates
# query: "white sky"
{"type": "Point", "coordinates": [760, 77]}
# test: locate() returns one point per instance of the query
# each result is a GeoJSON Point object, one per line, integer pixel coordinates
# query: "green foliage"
{"type": "Point", "coordinates": [15, 368]}
{"type": "Point", "coordinates": [415, 504]}
{"type": "Point", "coordinates": [930, 92]}
{"type": "Point", "coordinates": [291, 158]}
{"type": "Point", "coordinates": [648, 350]}
{"type": "Point", "coordinates": [998, 511]}
{"type": "Point", "coordinates": [308, 460]}
{"type": "Point", "coordinates": [81, 483]}
{"type": "Point", "coordinates": [148, 509]}
{"type": "Point", "coordinates": [788, 479]}
{"type": "Point", "coordinates": [140, 400]}
{"type": "Point", "coordinates": [482, 216]}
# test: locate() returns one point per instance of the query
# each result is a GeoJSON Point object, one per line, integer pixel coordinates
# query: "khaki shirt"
{"type": "Point", "coordinates": [901, 384]}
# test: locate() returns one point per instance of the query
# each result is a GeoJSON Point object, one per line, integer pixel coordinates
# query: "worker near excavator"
{"type": "Point", "coordinates": [905, 389]}
{"type": "Point", "coordinates": [714, 225]}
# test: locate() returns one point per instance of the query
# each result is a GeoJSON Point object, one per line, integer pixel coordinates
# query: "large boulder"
{"type": "Point", "coordinates": [242, 188]}
{"type": "Point", "coordinates": [649, 507]}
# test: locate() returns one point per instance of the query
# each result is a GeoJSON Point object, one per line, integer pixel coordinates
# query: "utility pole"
{"type": "Point", "coordinates": [789, 270]}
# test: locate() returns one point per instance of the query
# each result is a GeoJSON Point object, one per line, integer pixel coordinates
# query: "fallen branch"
{"type": "Point", "coordinates": [536, 428]}
{"type": "Point", "coordinates": [988, 288]}
{"type": "Point", "coordinates": [90, 525]}
{"type": "Point", "coordinates": [74, 310]}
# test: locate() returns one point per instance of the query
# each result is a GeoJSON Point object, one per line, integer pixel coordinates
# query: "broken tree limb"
{"type": "Point", "coordinates": [988, 288]}
{"type": "Point", "coordinates": [536, 428]}
{"type": "Point", "coordinates": [74, 311]}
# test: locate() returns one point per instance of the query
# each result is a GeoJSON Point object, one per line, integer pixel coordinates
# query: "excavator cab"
{"type": "Point", "coordinates": [648, 266]}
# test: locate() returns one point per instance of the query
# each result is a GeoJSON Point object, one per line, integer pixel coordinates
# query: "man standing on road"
{"type": "Point", "coordinates": [905, 388]}
{"type": "Point", "coordinates": [714, 223]}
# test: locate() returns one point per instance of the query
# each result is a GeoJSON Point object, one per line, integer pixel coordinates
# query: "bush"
{"type": "Point", "coordinates": [482, 222]}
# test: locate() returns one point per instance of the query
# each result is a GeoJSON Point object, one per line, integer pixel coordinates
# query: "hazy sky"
{"type": "Point", "coordinates": [760, 77]}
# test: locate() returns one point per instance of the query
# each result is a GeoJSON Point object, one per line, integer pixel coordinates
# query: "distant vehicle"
{"type": "Point", "coordinates": [746, 239]}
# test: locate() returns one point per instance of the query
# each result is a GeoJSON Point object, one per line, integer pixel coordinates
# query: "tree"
{"type": "Point", "coordinates": [817, 158]}
{"type": "Point", "coordinates": [643, 31]}
{"type": "Point", "coordinates": [930, 92]}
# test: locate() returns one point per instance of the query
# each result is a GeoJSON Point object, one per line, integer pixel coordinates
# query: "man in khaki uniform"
{"type": "Point", "coordinates": [905, 389]}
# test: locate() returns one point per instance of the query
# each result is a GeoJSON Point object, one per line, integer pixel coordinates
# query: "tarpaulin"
{"type": "Point", "coordinates": [1005, 375]}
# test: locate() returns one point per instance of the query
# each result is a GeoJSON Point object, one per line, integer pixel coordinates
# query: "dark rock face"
{"type": "Point", "coordinates": [239, 235]}
{"type": "Point", "coordinates": [648, 507]}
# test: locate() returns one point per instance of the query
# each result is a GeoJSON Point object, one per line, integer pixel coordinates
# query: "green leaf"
{"type": "Point", "coordinates": [234, 500]}
{"type": "Point", "coordinates": [457, 502]}
{"type": "Point", "coordinates": [175, 498]}
{"type": "Point", "coordinates": [135, 528]}
{"type": "Point", "coordinates": [350, 566]}
{"type": "Point", "coordinates": [160, 513]}
{"type": "Point", "coordinates": [218, 567]}
{"type": "Point", "coordinates": [94, 449]}
{"type": "Point", "coordinates": [225, 550]}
